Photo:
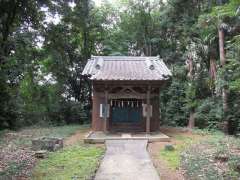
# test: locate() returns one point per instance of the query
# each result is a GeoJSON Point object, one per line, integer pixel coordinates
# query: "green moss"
{"type": "Point", "coordinates": [75, 162]}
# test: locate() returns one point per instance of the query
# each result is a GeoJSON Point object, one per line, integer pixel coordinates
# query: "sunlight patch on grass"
{"type": "Point", "coordinates": [75, 162]}
{"type": "Point", "coordinates": [172, 157]}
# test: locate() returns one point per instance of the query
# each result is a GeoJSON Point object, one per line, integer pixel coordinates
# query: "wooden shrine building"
{"type": "Point", "coordinates": [125, 92]}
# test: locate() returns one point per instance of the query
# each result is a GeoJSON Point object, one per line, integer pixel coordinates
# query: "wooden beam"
{"type": "Point", "coordinates": [140, 83]}
{"type": "Point", "coordinates": [148, 110]}
{"type": "Point", "coordinates": [127, 96]}
{"type": "Point", "coordinates": [100, 86]}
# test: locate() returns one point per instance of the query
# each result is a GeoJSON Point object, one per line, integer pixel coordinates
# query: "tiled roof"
{"type": "Point", "coordinates": [126, 68]}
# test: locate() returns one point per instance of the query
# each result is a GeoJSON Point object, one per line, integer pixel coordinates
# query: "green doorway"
{"type": "Point", "coordinates": [126, 114]}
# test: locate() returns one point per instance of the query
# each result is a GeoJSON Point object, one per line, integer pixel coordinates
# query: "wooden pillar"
{"type": "Point", "coordinates": [148, 111]}
{"type": "Point", "coordinates": [106, 110]}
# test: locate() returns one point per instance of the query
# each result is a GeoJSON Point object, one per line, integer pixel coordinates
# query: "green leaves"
{"type": "Point", "coordinates": [229, 9]}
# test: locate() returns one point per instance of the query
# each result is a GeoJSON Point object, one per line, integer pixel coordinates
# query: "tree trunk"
{"type": "Point", "coordinates": [190, 67]}
{"type": "Point", "coordinates": [221, 47]}
{"type": "Point", "coordinates": [213, 75]}
{"type": "Point", "coordinates": [223, 62]}
{"type": "Point", "coordinates": [213, 69]}
{"type": "Point", "coordinates": [191, 121]}
{"type": "Point", "coordinates": [225, 99]}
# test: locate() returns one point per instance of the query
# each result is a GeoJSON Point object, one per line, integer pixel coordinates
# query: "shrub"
{"type": "Point", "coordinates": [209, 113]}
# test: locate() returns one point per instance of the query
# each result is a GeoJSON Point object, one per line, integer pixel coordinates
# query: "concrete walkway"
{"type": "Point", "coordinates": [126, 160]}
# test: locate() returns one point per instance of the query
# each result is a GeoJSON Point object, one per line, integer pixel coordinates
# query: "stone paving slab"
{"type": "Point", "coordinates": [101, 137]}
{"type": "Point", "coordinates": [126, 160]}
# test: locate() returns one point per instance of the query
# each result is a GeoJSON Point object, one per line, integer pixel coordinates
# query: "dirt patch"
{"type": "Point", "coordinates": [176, 133]}
{"type": "Point", "coordinates": [77, 137]}
{"type": "Point", "coordinates": [173, 131]}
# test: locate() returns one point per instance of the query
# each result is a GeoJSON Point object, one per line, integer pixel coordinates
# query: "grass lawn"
{"type": "Point", "coordinates": [76, 160]}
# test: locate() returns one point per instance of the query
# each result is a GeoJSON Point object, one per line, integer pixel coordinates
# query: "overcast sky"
{"type": "Point", "coordinates": [98, 2]}
{"type": "Point", "coordinates": [56, 18]}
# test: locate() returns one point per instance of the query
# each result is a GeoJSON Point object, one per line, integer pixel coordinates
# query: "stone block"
{"type": "Point", "coordinates": [47, 143]}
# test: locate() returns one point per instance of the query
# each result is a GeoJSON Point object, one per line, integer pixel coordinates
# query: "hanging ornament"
{"type": "Point", "coordinates": [111, 103]}
{"type": "Point", "coordinates": [132, 104]}
{"type": "Point", "coordinates": [122, 103]}
{"type": "Point", "coordinates": [128, 103]}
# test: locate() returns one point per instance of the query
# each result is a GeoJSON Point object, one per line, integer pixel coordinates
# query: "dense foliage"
{"type": "Point", "coordinates": [45, 45]}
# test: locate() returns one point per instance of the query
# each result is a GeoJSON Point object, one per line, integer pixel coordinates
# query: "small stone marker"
{"type": "Point", "coordinates": [169, 147]}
